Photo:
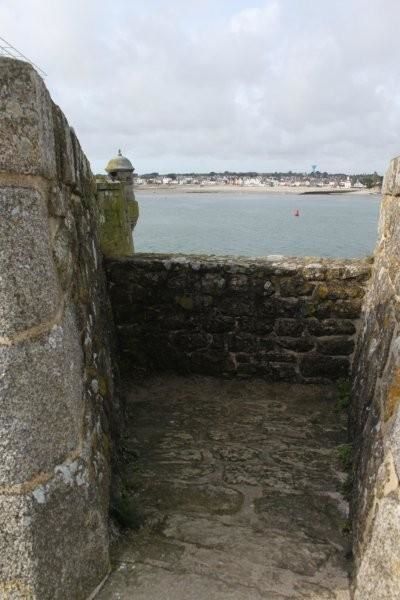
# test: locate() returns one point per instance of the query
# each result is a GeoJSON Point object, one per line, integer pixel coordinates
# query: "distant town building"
{"type": "Point", "coordinates": [359, 185]}
{"type": "Point", "coordinates": [347, 183]}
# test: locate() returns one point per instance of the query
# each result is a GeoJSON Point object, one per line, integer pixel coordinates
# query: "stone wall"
{"type": "Point", "coordinates": [376, 414]}
{"type": "Point", "coordinates": [283, 319]}
{"type": "Point", "coordinates": [56, 381]}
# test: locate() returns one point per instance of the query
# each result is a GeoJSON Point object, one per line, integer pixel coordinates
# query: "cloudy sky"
{"type": "Point", "coordinates": [202, 85]}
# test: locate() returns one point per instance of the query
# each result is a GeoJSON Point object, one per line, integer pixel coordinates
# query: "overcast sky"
{"type": "Point", "coordinates": [182, 85]}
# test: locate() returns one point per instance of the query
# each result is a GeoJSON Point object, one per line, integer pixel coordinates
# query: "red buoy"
{"type": "Point", "coordinates": [296, 213]}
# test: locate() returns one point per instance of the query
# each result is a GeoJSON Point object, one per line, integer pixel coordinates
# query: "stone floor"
{"type": "Point", "coordinates": [236, 484]}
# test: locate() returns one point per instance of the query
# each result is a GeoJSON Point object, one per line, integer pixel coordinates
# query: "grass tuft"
{"type": "Point", "coordinates": [344, 389]}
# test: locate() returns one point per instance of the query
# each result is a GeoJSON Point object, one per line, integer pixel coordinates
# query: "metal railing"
{"type": "Point", "coordinates": [7, 49]}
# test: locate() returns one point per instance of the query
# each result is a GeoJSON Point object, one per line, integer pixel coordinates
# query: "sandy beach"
{"type": "Point", "coordinates": [216, 189]}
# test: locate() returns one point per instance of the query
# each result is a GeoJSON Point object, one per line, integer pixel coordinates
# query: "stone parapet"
{"type": "Point", "coordinates": [56, 382]}
{"type": "Point", "coordinates": [284, 319]}
{"type": "Point", "coordinates": [376, 414]}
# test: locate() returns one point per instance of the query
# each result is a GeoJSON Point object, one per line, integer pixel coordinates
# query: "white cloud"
{"type": "Point", "coordinates": [221, 85]}
{"type": "Point", "coordinates": [256, 21]}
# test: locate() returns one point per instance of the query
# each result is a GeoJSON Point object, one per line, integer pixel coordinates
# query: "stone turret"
{"type": "Point", "coordinates": [120, 168]}
{"type": "Point", "coordinates": [119, 209]}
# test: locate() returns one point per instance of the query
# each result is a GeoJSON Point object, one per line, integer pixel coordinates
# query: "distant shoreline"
{"type": "Point", "coordinates": [330, 191]}
{"type": "Point", "coordinates": [279, 189]}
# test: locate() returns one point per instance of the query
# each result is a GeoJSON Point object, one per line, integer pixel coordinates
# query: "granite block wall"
{"type": "Point", "coordinates": [284, 319]}
{"type": "Point", "coordinates": [376, 414]}
{"type": "Point", "coordinates": [56, 386]}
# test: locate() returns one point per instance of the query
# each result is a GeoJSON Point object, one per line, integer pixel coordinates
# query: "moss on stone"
{"type": "Point", "coordinates": [103, 386]}
{"type": "Point", "coordinates": [393, 396]}
{"type": "Point", "coordinates": [344, 389]}
{"type": "Point", "coordinates": [322, 291]}
{"type": "Point", "coordinates": [185, 301]}
{"type": "Point", "coordinates": [115, 231]}
{"type": "Point", "coordinates": [345, 454]}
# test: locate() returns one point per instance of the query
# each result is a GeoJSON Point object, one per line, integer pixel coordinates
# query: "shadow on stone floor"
{"type": "Point", "coordinates": [237, 487]}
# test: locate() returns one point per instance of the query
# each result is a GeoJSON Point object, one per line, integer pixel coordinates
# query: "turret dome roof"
{"type": "Point", "coordinates": [119, 163]}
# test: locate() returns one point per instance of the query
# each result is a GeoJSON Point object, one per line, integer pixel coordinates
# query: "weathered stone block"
{"type": "Point", "coordinates": [48, 550]}
{"type": "Point", "coordinates": [330, 327]}
{"type": "Point", "coordinates": [283, 372]}
{"type": "Point", "coordinates": [192, 340]}
{"type": "Point", "coordinates": [299, 344]}
{"type": "Point", "coordinates": [334, 346]}
{"type": "Point", "coordinates": [246, 370]}
{"type": "Point", "coordinates": [41, 402]}
{"type": "Point", "coordinates": [213, 284]}
{"type": "Point", "coordinates": [84, 182]}
{"type": "Point", "coordinates": [236, 307]}
{"type": "Point", "coordinates": [218, 342]}
{"type": "Point", "coordinates": [315, 271]}
{"type": "Point", "coordinates": [204, 302]}
{"type": "Point", "coordinates": [29, 290]}
{"type": "Point", "coordinates": [59, 204]}
{"type": "Point", "coordinates": [351, 269]}
{"type": "Point", "coordinates": [289, 327]}
{"type": "Point", "coordinates": [65, 159]}
{"type": "Point", "coordinates": [283, 307]}
{"type": "Point", "coordinates": [281, 265]}
{"type": "Point", "coordinates": [185, 301]}
{"type": "Point", "coordinates": [391, 181]}
{"type": "Point", "coordinates": [378, 576]}
{"type": "Point", "coordinates": [16, 547]}
{"type": "Point", "coordinates": [211, 362]}
{"type": "Point", "coordinates": [65, 251]}
{"type": "Point", "coordinates": [320, 366]}
{"type": "Point", "coordinates": [219, 323]}
{"type": "Point", "coordinates": [249, 343]}
{"type": "Point", "coordinates": [260, 326]}
{"type": "Point", "coordinates": [358, 270]}
{"type": "Point", "coordinates": [278, 355]}
{"type": "Point", "coordinates": [178, 281]}
{"type": "Point", "coordinates": [295, 286]}
{"type": "Point", "coordinates": [166, 321]}
{"type": "Point", "coordinates": [26, 124]}
{"type": "Point", "coordinates": [268, 288]}
{"type": "Point", "coordinates": [239, 282]}
{"type": "Point", "coordinates": [338, 290]}
{"type": "Point", "coordinates": [343, 309]}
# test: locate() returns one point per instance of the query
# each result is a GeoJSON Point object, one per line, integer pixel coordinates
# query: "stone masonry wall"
{"type": "Point", "coordinates": [376, 414]}
{"type": "Point", "coordinates": [283, 319]}
{"type": "Point", "coordinates": [56, 382]}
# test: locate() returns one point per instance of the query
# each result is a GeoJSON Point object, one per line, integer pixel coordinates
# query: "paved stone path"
{"type": "Point", "coordinates": [237, 485]}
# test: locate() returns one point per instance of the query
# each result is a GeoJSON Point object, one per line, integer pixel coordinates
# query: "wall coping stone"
{"type": "Point", "coordinates": [355, 268]}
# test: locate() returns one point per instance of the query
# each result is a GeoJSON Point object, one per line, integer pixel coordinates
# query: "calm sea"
{"type": "Point", "coordinates": [257, 224]}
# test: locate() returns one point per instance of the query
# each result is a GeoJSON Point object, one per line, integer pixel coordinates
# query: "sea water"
{"type": "Point", "coordinates": [256, 224]}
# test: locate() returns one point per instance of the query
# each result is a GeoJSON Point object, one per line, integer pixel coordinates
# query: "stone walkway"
{"type": "Point", "coordinates": [236, 484]}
